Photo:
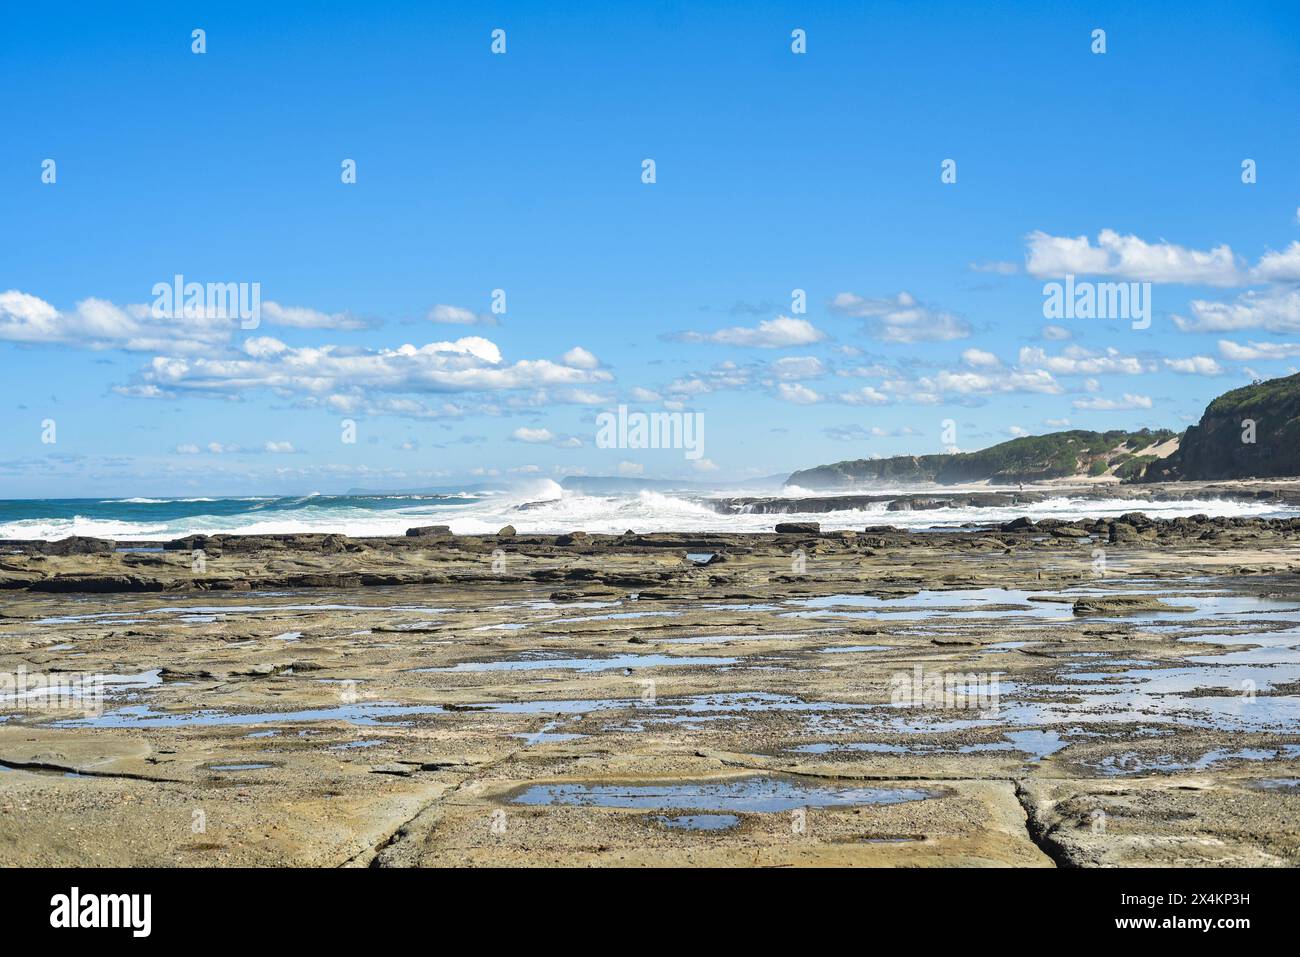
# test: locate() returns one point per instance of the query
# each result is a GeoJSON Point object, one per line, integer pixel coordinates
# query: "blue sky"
{"type": "Point", "coordinates": [523, 172]}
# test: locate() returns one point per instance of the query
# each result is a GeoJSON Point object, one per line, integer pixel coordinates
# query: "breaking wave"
{"type": "Point", "coordinates": [542, 507]}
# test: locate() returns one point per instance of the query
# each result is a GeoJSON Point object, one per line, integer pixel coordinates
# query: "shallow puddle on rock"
{"type": "Point", "coordinates": [958, 603]}
{"type": "Point", "coordinates": [538, 662]}
{"type": "Point", "coordinates": [1003, 603]}
{"type": "Point", "coordinates": [548, 735]}
{"type": "Point", "coordinates": [108, 617]}
{"type": "Point", "coordinates": [548, 604]}
{"type": "Point", "coordinates": [45, 772]}
{"type": "Point", "coordinates": [850, 649]}
{"type": "Point", "coordinates": [619, 616]}
{"type": "Point", "coordinates": [1078, 704]}
{"type": "Point", "coordinates": [78, 690]}
{"type": "Point", "coordinates": [699, 822]}
{"type": "Point", "coordinates": [758, 793]}
{"type": "Point", "coordinates": [1036, 744]}
{"type": "Point", "coordinates": [1002, 647]}
{"type": "Point", "coordinates": [208, 613]}
{"type": "Point", "coordinates": [870, 747]}
{"type": "Point", "coordinates": [254, 609]}
{"type": "Point", "coordinates": [1130, 762]}
{"type": "Point", "coordinates": [1228, 689]}
{"type": "Point", "coordinates": [141, 716]}
{"type": "Point", "coordinates": [721, 639]}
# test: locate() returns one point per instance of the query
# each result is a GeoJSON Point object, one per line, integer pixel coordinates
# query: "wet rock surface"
{"type": "Point", "coordinates": [996, 696]}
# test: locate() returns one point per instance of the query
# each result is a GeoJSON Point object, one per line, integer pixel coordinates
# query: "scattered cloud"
{"type": "Point", "coordinates": [724, 375]}
{"type": "Point", "coordinates": [979, 359]}
{"type": "Point", "coordinates": [846, 433]}
{"type": "Point", "coordinates": [864, 396]}
{"type": "Point", "coordinates": [1279, 267]}
{"type": "Point", "coordinates": [354, 380]}
{"type": "Point", "coordinates": [1127, 401]}
{"type": "Point", "coordinates": [141, 392]}
{"type": "Point", "coordinates": [980, 383]}
{"type": "Point", "coordinates": [1135, 259]}
{"type": "Point", "coordinates": [300, 317]}
{"type": "Point", "coordinates": [781, 332]}
{"type": "Point", "coordinates": [858, 433]}
{"type": "Point", "coordinates": [1194, 365]}
{"type": "Point", "coordinates": [1076, 360]}
{"type": "Point", "coordinates": [791, 368]}
{"type": "Point", "coordinates": [901, 319]}
{"type": "Point", "coordinates": [99, 324]}
{"type": "Point", "coordinates": [580, 358]}
{"type": "Point", "coordinates": [1129, 257]}
{"type": "Point", "coordinates": [995, 266]}
{"type": "Point", "coordinates": [796, 393]}
{"type": "Point", "coordinates": [543, 436]}
{"type": "Point", "coordinates": [1273, 310]}
{"type": "Point", "coordinates": [1254, 351]}
{"type": "Point", "coordinates": [459, 316]}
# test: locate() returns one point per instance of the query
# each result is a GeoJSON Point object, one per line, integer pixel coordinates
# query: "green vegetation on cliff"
{"type": "Point", "coordinates": [1251, 432]}
{"type": "Point", "coordinates": [1032, 458]}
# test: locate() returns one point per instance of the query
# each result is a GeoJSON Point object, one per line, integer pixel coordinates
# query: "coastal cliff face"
{"type": "Point", "coordinates": [1251, 432]}
{"type": "Point", "coordinates": [1031, 458]}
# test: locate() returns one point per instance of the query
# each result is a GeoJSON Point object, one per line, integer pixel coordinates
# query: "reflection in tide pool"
{"type": "Point", "coordinates": [755, 793]}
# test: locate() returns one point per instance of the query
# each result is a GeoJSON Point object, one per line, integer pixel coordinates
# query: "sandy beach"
{"type": "Point", "coordinates": [1086, 693]}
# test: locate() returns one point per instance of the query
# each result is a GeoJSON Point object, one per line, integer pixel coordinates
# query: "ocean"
{"type": "Point", "coordinates": [543, 508]}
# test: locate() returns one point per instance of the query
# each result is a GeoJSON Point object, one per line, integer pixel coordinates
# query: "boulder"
{"type": "Point", "coordinates": [1069, 531]}
{"type": "Point", "coordinates": [798, 528]}
{"type": "Point", "coordinates": [79, 545]}
{"type": "Point", "coordinates": [428, 531]}
{"type": "Point", "coordinates": [1121, 532]}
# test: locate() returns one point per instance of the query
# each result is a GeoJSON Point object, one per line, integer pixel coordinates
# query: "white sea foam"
{"type": "Point", "coordinates": [545, 508]}
{"type": "Point", "coordinates": [51, 529]}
